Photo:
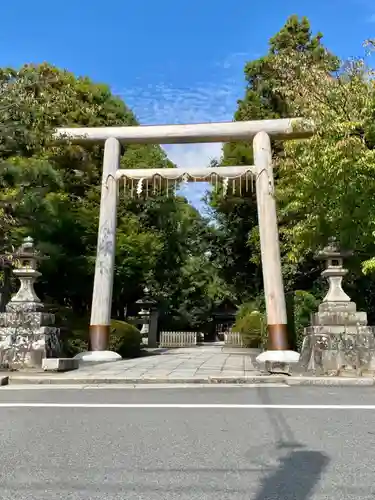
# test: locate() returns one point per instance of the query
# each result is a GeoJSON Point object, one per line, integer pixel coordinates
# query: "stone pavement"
{"type": "Point", "coordinates": [196, 362]}
{"type": "Point", "coordinates": [196, 365]}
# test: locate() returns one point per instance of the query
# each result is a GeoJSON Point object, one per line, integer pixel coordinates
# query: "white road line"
{"type": "Point", "coordinates": [186, 406]}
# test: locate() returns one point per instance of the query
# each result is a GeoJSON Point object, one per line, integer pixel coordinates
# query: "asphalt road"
{"type": "Point", "coordinates": [275, 444]}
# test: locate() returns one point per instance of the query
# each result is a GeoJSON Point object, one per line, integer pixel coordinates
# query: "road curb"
{"type": "Point", "coordinates": [254, 380]}
{"type": "Point", "coordinates": [330, 381]}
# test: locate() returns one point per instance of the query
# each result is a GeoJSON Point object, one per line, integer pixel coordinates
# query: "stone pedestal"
{"type": "Point", "coordinates": [27, 333]}
{"type": "Point", "coordinates": [339, 341]}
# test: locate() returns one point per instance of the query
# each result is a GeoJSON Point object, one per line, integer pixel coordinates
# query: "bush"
{"type": "Point", "coordinates": [73, 342]}
{"type": "Point", "coordinates": [304, 305]}
{"type": "Point", "coordinates": [251, 324]}
{"type": "Point", "coordinates": [74, 332]}
{"type": "Point", "coordinates": [125, 339]}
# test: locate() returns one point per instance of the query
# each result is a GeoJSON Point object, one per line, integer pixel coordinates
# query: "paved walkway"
{"type": "Point", "coordinates": [196, 362]}
{"type": "Point", "coordinates": [198, 365]}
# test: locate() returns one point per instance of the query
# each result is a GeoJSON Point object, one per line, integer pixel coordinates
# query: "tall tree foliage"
{"type": "Point", "coordinates": [53, 191]}
{"type": "Point", "coordinates": [263, 100]}
{"type": "Point", "coordinates": [327, 184]}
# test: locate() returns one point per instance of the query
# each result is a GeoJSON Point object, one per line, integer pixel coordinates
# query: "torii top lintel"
{"type": "Point", "coordinates": [285, 128]}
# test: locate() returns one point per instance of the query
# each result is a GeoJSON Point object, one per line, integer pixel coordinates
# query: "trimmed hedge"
{"type": "Point", "coordinates": [125, 339]}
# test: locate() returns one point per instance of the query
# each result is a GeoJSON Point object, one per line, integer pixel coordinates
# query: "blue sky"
{"type": "Point", "coordinates": [173, 61]}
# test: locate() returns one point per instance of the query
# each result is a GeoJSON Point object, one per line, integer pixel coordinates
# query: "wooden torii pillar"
{"type": "Point", "coordinates": [261, 132]}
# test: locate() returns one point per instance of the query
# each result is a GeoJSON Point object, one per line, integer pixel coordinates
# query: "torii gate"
{"type": "Point", "coordinates": [261, 133]}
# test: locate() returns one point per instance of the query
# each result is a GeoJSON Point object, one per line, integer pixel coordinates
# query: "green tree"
{"type": "Point", "coordinates": [237, 218]}
{"type": "Point", "coordinates": [55, 189]}
{"type": "Point", "coordinates": [263, 99]}
{"type": "Point", "coordinates": [53, 192]}
{"type": "Point", "coordinates": [326, 183]}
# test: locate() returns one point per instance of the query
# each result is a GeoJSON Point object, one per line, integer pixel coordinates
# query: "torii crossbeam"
{"type": "Point", "coordinates": [234, 179]}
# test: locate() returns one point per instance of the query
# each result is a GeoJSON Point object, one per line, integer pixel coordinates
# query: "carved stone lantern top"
{"type": "Point", "coordinates": [26, 256]}
{"type": "Point", "coordinates": [26, 260]}
{"type": "Point", "coordinates": [333, 255]}
{"type": "Point", "coordinates": [146, 302]}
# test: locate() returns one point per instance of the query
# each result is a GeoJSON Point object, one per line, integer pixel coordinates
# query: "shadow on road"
{"type": "Point", "coordinates": [295, 477]}
{"type": "Point", "coordinates": [299, 470]}
{"type": "Point", "coordinates": [284, 436]}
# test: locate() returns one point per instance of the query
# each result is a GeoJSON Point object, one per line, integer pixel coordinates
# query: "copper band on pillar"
{"type": "Point", "coordinates": [99, 337]}
{"type": "Point", "coordinates": [277, 338]}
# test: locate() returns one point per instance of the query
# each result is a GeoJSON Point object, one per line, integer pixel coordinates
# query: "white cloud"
{"type": "Point", "coordinates": [193, 155]}
{"type": "Point", "coordinates": [205, 101]}
{"type": "Point", "coordinates": [236, 59]}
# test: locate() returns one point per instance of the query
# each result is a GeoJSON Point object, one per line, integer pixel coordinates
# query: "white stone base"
{"type": "Point", "coordinates": [286, 357]}
{"type": "Point", "coordinates": [97, 356]}
{"type": "Point", "coordinates": [59, 364]}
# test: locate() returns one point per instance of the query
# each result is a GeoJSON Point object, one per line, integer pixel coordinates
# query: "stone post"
{"type": "Point", "coordinates": [105, 259]}
{"type": "Point", "coordinates": [278, 349]}
{"type": "Point", "coordinates": [153, 330]}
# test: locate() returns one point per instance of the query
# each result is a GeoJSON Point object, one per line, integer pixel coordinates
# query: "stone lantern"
{"type": "Point", "coordinates": [339, 339]}
{"type": "Point", "coordinates": [27, 258]}
{"type": "Point", "coordinates": [27, 334]}
{"type": "Point", "coordinates": [148, 317]}
{"type": "Point", "coordinates": [334, 272]}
